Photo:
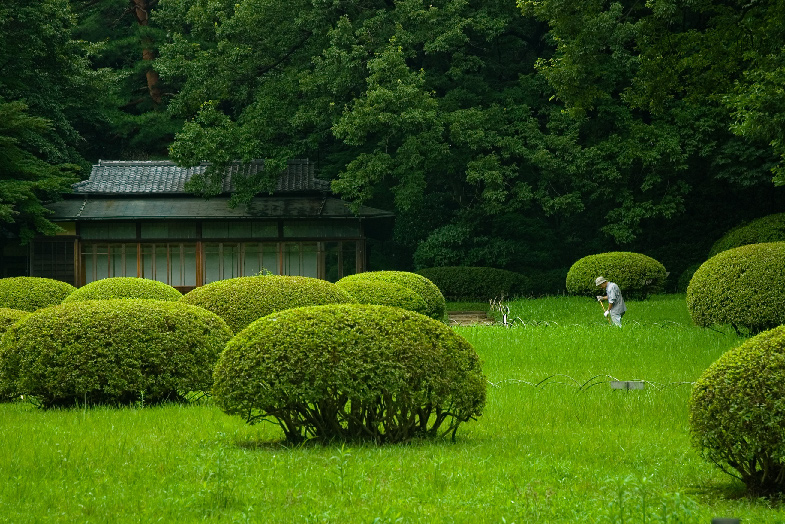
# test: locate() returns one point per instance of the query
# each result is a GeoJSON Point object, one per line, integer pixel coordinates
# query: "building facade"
{"type": "Point", "coordinates": [137, 219]}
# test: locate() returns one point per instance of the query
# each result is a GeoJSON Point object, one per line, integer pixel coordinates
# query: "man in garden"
{"type": "Point", "coordinates": [616, 307]}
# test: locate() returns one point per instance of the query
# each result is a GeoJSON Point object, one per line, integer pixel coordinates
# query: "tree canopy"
{"type": "Point", "coordinates": [515, 136]}
{"type": "Point", "coordinates": [47, 95]}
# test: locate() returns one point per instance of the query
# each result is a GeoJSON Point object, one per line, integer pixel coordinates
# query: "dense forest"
{"type": "Point", "coordinates": [519, 136]}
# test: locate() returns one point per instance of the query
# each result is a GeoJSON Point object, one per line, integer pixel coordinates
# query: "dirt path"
{"type": "Point", "coordinates": [469, 318]}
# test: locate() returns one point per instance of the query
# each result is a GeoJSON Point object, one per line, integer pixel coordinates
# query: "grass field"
{"type": "Point", "coordinates": [555, 444]}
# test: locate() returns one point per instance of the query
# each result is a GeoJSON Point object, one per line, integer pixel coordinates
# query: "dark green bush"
{"type": "Point", "coordinates": [125, 287]}
{"type": "Point", "coordinates": [8, 318]}
{"type": "Point", "coordinates": [383, 294]}
{"type": "Point", "coordinates": [240, 301]}
{"type": "Point", "coordinates": [685, 277]}
{"type": "Point", "coordinates": [111, 352]}
{"type": "Point", "coordinates": [351, 371]}
{"type": "Point", "coordinates": [637, 275]}
{"type": "Point", "coordinates": [737, 413]}
{"type": "Point", "coordinates": [430, 293]}
{"type": "Point", "coordinates": [476, 283]}
{"type": "Point", "coordinates": [31, 293]}
{"type": "Point", "coordinates": [544, 282]}
{"type": "Point", "coordinates": [766, 229]}
{"type": "Point", "coordinates": [743, 287]}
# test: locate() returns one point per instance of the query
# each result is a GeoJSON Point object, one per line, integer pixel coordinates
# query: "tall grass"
{"type": "Point", "coordinates": [555, 444]}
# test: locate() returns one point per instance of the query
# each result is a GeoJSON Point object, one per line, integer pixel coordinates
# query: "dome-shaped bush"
{"type": "Point", "coordinates": [125, 287]}
{"type": "Point", "coordinates": [737, 412]}
{"type": "Point", "coordinates": [770, 228]}
{"type": "Point", "coordinates": [637, 275]}
{"type": "Point", "coordinates": [434, 300]}
{"type": "Point", "coordinates": [383, 294]}
{"type": "Point", "coordinates": [743, 287]}
{"type": "Point", "coordinates": [8, 317]}
{"type": "Point", "coordinates": [351, 371]}
{"type": "Point", "coordinates": [240, 301]}
{"type": "Point", "coordinates": [111, 352]}
{"type": "Point", "coordinates": [31, 293]}
{"type": "Point", "coordinates": [476, 283]}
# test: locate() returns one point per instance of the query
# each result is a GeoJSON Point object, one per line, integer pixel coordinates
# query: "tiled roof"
{"type": "Point", "coordinates": [134, 177]}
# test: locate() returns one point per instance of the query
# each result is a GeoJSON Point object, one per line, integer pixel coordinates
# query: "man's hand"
{"type": "Point", "coordinates": [599, 298]}
{"type": "Point", "coordinates": [607, 312]}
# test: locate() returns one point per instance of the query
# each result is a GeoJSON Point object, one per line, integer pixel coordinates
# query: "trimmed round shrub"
{"type": "Point", "coordinates": [351, 371]}
{"type": "Point", "coordinates": [737, 413]}
{"type": "Point", "coordinates": [637, 275]}
{"type": "Point", "coordinates": [240, 301]}
{"type": "Point", "coordinates": [125, 287]}
{"type": "Point", "coordinates": [32, 293]}
{"type": "Point", "coordinates": [743, 287]}
{"type": "Point", "coordinates": [770, 228]}
{"type": "Point", "coordinates": [384, 294]}
{"type": "Point", "coordinates": [111, 352]}
{"type": "Point", "coordinates": [430, 293]}
{"type": "Point", "coordinates": [476, 283]}
{"type": "Point", "coordinates": [8, 317]}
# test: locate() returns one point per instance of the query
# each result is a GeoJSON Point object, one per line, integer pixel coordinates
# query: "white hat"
{"type": "Point", "coordinates": [599, 281]}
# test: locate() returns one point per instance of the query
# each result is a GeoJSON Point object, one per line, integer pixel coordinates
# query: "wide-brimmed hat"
{"type": "Point", "coordinates": [599, 281]}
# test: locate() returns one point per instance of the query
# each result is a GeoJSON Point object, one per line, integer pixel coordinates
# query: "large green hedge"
{"type": "Point", "coordinates": [111, 352]}
{"type": "Point", "coordinates": [737, 413]}
{"type": "Point", "coordinates": [430, 293]}
{"type": "Point", "coordinates": [351, 371]}
{"type": "Point", "coordinates": [637, 275]}
{"type": "Point", "coordinates": [743, 287]}
{"type": "Point", "coordinates": [8, 317]}
{"type": "Point", "coordinates": [240, 301]}
{"type": "Point", "coordinates": [383, 294]}
{"type": "Point", "coordinates": [31, 293]}
{"type": "Point", "coordinates": [477, 283]}
{"type": "Point", "coordinates": [770, 228]}
{"type": "Point", "coordinates": [125, 287]}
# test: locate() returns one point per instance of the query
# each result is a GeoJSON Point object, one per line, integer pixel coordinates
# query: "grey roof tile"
{"type": "Point", "coordinates": [159, 176]}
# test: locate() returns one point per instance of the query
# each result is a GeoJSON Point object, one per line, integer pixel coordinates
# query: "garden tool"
{"type": "Point", "coordinates": [607, 315]}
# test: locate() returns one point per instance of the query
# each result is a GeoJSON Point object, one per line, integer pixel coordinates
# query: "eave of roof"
{"type": "Point", "coordinates": [195, 208]}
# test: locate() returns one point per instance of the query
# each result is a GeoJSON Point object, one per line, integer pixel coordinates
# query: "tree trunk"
{"type": "Point", "coordinates": [141, 10]}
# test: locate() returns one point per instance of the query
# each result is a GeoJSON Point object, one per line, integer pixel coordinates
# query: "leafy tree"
{"type": "Point", "coordinates": [25, 179]}
{"type": "Point", "coordinates": [757, 100]}
{"type": "Point", "coordinates": [529, 140]}
{"type": "Point", "coordinates": [649, 84]}
{"type": "Point", "coordinates": [49, 71]}
{"type": "Point", "coordinates": [47, 95]}
{"type": "Point", "coordinates": [136, 123]}
{"type": "Point", "coordinates": [431, 109]}
{"type": "Point", "coordinates": [650, 80]}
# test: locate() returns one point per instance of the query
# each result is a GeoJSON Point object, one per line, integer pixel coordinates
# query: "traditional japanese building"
{"type": "Point", "coordinates": [137, 219]}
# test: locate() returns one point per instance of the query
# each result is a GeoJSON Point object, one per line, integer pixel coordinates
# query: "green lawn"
{"type": "Point", "coordinates": [555, 444]}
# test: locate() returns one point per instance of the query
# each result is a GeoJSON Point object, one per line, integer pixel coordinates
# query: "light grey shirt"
{"type": "Point", "coordinates": [615, 299]}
